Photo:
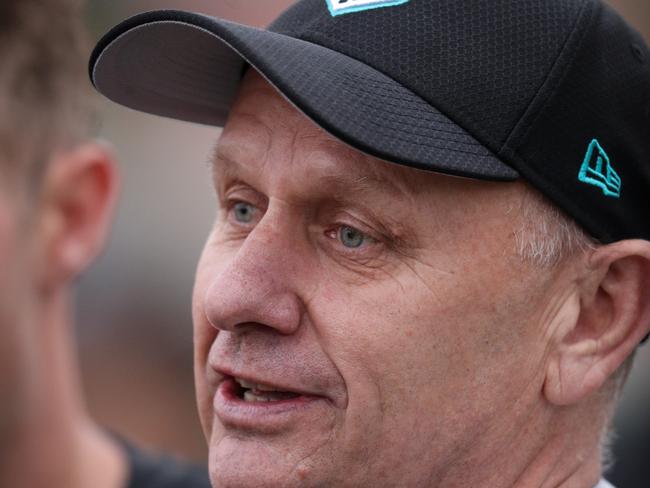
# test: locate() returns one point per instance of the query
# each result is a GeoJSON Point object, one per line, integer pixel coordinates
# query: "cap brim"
{"type": "Point", "coordinates": [187, 66]}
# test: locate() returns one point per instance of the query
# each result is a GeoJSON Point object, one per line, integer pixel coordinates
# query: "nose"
{"type": "Point", "coordinates": [258, 286]}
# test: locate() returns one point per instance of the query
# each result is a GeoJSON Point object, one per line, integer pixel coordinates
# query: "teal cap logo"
{"type": "Point", "coordinates": [340, 7]}
{"type": "Point", "coordinates": [597, 170]}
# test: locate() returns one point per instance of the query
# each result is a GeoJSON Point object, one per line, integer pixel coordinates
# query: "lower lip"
{"type": "Point", "coordinates": [233, 411]}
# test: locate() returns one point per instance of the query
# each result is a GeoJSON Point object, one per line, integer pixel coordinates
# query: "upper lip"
{"type": "Point", "coordinates": [271, 383]}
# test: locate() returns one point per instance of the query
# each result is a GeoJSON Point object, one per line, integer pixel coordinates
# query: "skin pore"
{"type": "Point", "coordinates": [427, 352]}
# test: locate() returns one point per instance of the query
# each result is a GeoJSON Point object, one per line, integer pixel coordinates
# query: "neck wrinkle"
{"type": "Point", "coordinates": [571, 458]}
{"type": "Point", "coordinates": [549, 447]}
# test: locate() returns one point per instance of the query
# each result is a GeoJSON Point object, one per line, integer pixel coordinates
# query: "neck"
{"type": "Point", "coordinates": [549, 447]}
{"type": "Point", "coordinates": [53, 443]}
{"type": "Point", "coordinates": [568, 451]}
{"type": "Point", "coordinates": [569, 459]}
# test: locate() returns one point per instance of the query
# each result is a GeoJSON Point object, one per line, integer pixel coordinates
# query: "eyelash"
{"type": "Point", "coordinates": [333, 232]}
{"type": "Point", "coordinates": [336, 233]}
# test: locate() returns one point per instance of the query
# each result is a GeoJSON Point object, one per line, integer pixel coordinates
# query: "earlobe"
{"type": "Point", "coordinates": [79, 192]}
{"type": "Point", "coordinates": [613, 317]}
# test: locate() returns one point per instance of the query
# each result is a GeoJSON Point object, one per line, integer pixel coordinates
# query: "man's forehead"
{"type": "Point", "coordinates": [327, 166]}
{"type": "Point", "coordinates": [266, 132]}
{"type": "Point", "coordinates": [264, 129]}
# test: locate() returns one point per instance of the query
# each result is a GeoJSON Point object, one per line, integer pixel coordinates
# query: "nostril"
{"type": "Point", "coordinates": [247, 327]}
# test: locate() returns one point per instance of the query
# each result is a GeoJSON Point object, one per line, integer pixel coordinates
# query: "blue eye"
{"type": "Point", "coordinates": [243, 212]}
{"type": "Point", "coordinates": [351, 237]}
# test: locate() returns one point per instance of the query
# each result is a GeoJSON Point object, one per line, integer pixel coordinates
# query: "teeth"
{"type": "Point", "coordinates": [255, 392]}
{"type": "Point", "coordinates": [249, 396]}
{"type": "Point", "coordinates": [253, 386]}
{"type": "Point", "coordinates": [245, 384]}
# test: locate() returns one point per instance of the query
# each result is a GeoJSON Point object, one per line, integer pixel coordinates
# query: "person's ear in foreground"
{"type": "Point", "coordinates": [57, 195]}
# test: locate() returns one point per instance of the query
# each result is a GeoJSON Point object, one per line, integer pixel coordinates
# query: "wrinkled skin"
{"type": "Point", "coordinates": [420, 327]}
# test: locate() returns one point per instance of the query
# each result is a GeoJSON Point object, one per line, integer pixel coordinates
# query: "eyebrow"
{"type": "Point", "coordinates": [217, 168]}
{"type": "Point", "coordinates": [369, 183]}
{"type": "Point", "coordinates": [347, 188]}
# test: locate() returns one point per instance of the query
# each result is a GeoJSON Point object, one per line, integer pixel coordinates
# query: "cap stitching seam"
{"type": "Point", "coordinates": [308, 38]}
{"type": "Point", "coordinates": [516, 134]}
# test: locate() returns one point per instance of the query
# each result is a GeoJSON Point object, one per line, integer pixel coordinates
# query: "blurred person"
{"type": "Point", "coordinates": [430, 265]}
{"type": "Point", "coordinates": [57, 193]}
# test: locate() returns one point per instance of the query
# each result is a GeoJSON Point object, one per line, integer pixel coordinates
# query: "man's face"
{"type": "Point", "coordinates": [386, 306]}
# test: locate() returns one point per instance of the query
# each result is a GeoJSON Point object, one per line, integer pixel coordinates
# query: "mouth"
{"type": "Point", "coordinates": [254, 406]}
{"type": "Point", "coordinates": [251, 392]}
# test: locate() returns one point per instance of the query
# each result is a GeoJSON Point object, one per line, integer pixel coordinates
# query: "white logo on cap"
{"type": "Point", "coordinates": [340, 7]}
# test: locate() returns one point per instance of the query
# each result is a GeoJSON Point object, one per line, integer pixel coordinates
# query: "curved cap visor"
{"type": "Point", "coordinates": [187, 66]}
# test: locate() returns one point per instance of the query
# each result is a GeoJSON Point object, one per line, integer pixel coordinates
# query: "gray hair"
{"type": "Point", "coordinates": [547, 236]}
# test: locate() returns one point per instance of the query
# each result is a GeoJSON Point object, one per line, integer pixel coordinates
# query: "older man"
{"type": "Point", "coordinates": [364, 317]}
{"type": "Point", "coordinates": [57, 192]}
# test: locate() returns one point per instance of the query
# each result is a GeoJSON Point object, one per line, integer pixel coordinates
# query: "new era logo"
{"type": "Point", "coordinates": [597, 170]}
{"type": "Point", "coordinates": [339, 7]}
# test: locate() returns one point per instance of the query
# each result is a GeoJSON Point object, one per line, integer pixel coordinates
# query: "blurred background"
{"type": "Point", "coordinates": [134, 317]}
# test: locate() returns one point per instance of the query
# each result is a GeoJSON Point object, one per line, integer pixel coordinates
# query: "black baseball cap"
{"type": "Point", "coordinates": [556, 92]}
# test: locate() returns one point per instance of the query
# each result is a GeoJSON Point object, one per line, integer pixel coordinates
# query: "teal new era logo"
{"type": "Point", "coordinates": [340, 7]}
{"type": "Point", "coordinates": [597, 170]}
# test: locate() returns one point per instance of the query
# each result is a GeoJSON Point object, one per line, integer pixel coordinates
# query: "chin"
{"type": "Point", "coordinates": [245, 461]}
{"type": "Point", "coordinates": [245, 466]}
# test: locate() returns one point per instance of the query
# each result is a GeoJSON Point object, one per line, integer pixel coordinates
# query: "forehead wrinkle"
{"type": "Point", "coordinates": [340, 169]}
{"type": "Point", "coordinates": [352, 170]}
{"type": "Point", "coordinates": [357, 171]}
{"type": "Point", "coordinates": [346, 187]}
{"type": "Point", "coordinates": [231, 153]}
{"type": "Point", "coordinates": [223, 169]}
{"type": "Point", "coordinates": [312, 149]}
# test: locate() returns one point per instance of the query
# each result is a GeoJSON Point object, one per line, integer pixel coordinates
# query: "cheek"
{"type": "Point", "coordinates": [204, 333]}
{"type": "Point", "coordinates": [213, 260]}
{"type": "Point", "coordinates": [416, 343]}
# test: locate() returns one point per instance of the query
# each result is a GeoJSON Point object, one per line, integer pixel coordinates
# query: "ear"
{"type": "Point", "coordinates": [78, 198]}
{"type": "Point", "coordinates": [609, 320]}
